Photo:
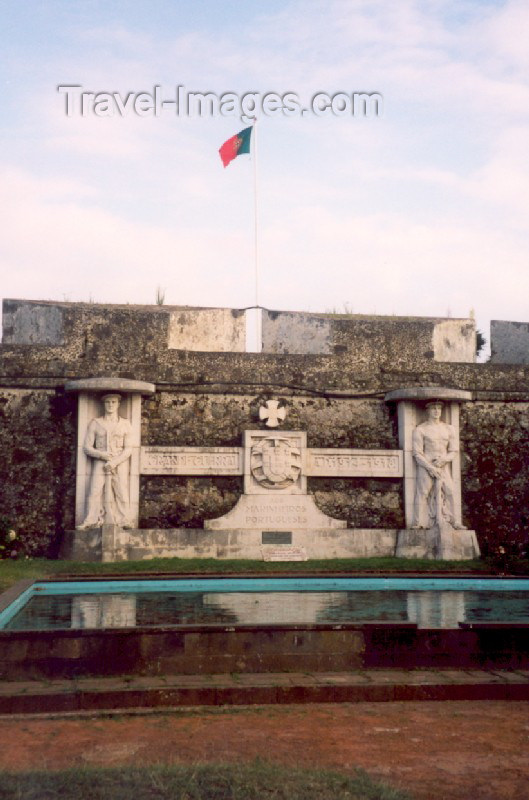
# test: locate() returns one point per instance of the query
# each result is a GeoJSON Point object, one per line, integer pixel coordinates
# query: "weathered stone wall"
{"type": "Point", "coordinates": [369, 338]}
{"type": "Point", "coordinates": [210, 398]}
{"type": "Point", "coordinates": [509, 342]}
{"type": "Point", "coordinates": [495, 471]}
{"type": "Point", "coordinates": [87, 329]}
{"type": "Point", "coordinates": [37, 467]}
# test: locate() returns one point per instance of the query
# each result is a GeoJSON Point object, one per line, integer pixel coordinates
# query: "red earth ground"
{"type": "Point", "coordinates": [442, 750]}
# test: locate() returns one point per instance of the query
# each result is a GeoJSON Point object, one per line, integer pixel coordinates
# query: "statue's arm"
{"type": "Point", "coordinates": [89, 442]}
{"type": "Point", "coordinates": [453, 446]}
{"type": "Point", "coordinates": [417, 442]}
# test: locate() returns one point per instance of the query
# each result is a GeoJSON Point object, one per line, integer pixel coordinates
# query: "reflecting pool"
{"type": "Point", "coordinates": [428, 602]}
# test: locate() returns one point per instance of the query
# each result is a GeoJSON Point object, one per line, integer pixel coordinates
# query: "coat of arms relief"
{"type": "Point", "coordinates": [275, 461]}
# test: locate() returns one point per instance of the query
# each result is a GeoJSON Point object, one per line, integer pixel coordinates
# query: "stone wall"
{"type": "Point", "coordinates": [86, 328]}
{"type": "Point", "coordinates": [495, 471]}
{"type": "Point", "coordinates": [37, 468]}
{"type": "Point", "coordinates": [369, 338]}
{"type": "Point", "coordinates": [509, 342]}
{"type": "Point", "coordinates": [210, 398]}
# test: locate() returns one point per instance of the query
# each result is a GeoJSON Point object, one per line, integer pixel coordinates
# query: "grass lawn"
{"type": "Point", "coordinates": [255, 781]}
{"type": "Point", "coordinates": [13, 571]}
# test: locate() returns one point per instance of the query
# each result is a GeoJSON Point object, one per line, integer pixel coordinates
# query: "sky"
{"type": "Point", "coordinates": [420, 209]}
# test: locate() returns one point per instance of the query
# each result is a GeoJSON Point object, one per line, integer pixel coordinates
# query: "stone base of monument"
{"type": "Point", "coordinates": [111, 543]}
{"type": "Point", "coordinates": [441, 542]}
{"type": "Point", "coordinates": [117, 544]}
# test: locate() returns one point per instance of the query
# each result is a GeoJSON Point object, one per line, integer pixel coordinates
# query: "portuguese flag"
{"type": "Point", "coordinates": [238, 144]}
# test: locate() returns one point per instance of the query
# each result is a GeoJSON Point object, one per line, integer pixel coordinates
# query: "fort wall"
{"type": "Point", "coordinates": [209, 398]}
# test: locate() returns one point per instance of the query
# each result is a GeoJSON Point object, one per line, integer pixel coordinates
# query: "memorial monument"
{"type": "Point", "coordinates": [275, 518]}
{"type": "Point", "coordinates": [344, 437]}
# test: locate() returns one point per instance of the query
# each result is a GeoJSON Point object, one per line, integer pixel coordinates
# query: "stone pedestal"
{"type": "Point", "coordinates": [441, 542]}
{"type": "Point", "coordinates": [144, 544]}
{"type": "Point", "coordinates": [109, 534]}
{"type": "Point", "coordinates": [82, 545]}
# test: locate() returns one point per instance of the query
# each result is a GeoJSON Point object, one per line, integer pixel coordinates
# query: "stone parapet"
{"type": "Point", "coordinates": [509, 342]}
{"type": "Point", "coordinates": [83, 328]}
{"type": "Point", "coordinates": [371, 338]}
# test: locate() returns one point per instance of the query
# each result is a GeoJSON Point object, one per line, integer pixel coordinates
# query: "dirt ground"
{"type": "Point", "coordinates": [443, 750]}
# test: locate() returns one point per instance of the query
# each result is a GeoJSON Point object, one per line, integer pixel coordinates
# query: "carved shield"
{"type": "Point", "coordinates": [275, 462]}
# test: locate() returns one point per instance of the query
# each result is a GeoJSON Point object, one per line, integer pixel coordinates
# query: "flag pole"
{"type": "Point", "coordinates": [256, 258]}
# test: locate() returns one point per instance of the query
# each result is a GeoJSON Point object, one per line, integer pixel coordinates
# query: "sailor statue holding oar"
{"type": "Point", "coordinates": [434, 448]}
{"type": "Point", "coordinates": [108, 443]}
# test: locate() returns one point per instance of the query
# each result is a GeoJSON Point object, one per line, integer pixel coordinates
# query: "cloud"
{"type": "Point", "coordinates": [419, 212]}
{"type": "Point", "coordinates": [390, 264]}
{"type": "Point", "coordinates": [53, 246]}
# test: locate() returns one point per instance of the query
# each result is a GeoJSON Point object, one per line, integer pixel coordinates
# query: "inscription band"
{"type": "Point", "coordinates": [354, 463]}
{"type": "Point", "coordinates": [191, 461]}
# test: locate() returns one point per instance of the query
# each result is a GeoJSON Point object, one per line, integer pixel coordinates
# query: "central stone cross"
{"type": "Point", "coordinates": [272, 413]}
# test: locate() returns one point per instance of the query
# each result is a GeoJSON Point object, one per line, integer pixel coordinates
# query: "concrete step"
{"type": "Point", "coordinates": [89, 695]}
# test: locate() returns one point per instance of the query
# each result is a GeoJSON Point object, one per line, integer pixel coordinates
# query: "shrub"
{"type": "Point", "coordinates": [9, 547]}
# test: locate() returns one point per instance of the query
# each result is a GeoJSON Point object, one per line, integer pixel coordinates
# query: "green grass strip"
{"type": "Point", "coordinates": [13, 571]}
{"type": "Point", "coordinates": [256, 781]}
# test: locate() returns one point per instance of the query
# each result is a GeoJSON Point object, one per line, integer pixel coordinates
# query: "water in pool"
{"type": "Point", "coordinates": [429, 602]}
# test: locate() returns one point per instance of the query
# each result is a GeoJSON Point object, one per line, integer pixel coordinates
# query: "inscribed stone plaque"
{"type": "Point", "coordinates": [191, 461]}
{"type": "Point", "coordinates": [276, 537]}
{"type": "Point", "coordinates": [284, 554]}
{"type": "Point", "coordinates": [354, 463]}
{"type": "Point", "coordinates": [274, 513]}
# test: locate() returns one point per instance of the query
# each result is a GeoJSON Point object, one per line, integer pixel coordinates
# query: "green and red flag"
{"type": "Point", "coordinates": [238, 144]}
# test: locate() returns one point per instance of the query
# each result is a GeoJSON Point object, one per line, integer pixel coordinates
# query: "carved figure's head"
{"type": "Point", "coordinates": [434, 409]}
{"type": "Point", "coordinates": [111, 402]}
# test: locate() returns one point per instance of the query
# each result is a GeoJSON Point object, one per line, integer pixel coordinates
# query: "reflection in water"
{"type": "Point", "coordinates": [181, 608]}
{"type": "Point", "coordinates": [104, 611]}
{"type": "Point", "coordinates": [428, 609]}
{"type": "Point", "coordinates": [366, 606]}
{"type": "Point", "coordinates": [273, 608]}
{"type": "Point", "coordinates": [447, 609]}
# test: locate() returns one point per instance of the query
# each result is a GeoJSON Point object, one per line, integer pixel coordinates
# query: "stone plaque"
{"type": "Point", "coordinates": [354, 463]}
{"type": "Point", "coordinates": [284, 554]}
{"type": "Point", "coordinates": [276, 537]}
{"type": "Point", "coordinates": [191, 461]}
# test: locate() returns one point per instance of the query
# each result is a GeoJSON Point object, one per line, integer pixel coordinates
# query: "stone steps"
{"type": "Point", "coordinates": [146, 693]}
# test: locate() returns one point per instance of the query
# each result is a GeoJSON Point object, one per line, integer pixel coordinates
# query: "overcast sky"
{"type": "Point", "coordinates": [421, 210]}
